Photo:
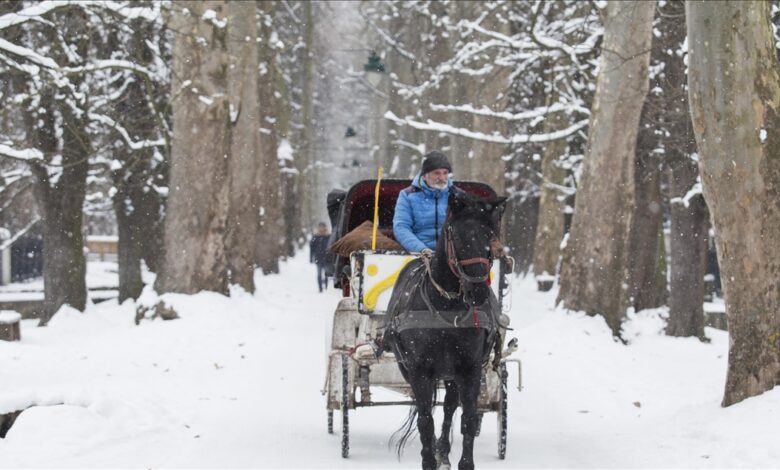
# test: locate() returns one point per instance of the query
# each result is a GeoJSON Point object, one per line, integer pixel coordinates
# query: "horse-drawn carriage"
{"type": "Point", "coordinates": [357, 361]}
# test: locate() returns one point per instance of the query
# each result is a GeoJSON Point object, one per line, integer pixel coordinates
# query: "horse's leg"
{"type": "Point", "coordinates": [469, 393]}
{"type": "Point", "coordinates": [451, 400]}
{"type": "Point", "coordinates": [423, 388]}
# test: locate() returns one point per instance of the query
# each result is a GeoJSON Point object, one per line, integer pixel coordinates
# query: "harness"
{"type": "Point", "coordinates": [418, 279]}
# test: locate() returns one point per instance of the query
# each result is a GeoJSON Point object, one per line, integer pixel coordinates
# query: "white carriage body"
{"type": "Point", "coordinates": [374, 275]}
{"type": "Point", "coordinates": [360, 319]}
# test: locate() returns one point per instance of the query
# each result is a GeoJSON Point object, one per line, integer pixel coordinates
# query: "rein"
{"type": "Point", "coordinates": [444, 293]}
{"type": "Point", "coordinates": [456, 265]}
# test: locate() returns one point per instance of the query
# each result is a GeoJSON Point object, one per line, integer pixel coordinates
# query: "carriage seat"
{"type": "Point", "coordinates": [388, 232]}
{"type": "Point", "coordinates": [359, 238]}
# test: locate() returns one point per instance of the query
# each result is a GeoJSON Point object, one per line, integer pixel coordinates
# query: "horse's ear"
{"type": "Point", "coordinates": [499, 204]}
{"type": "Point", "coordinates": [456, 201]}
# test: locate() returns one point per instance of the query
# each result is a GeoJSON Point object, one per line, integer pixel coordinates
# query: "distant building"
{"type": "Point", "coordinates": [102, 247]}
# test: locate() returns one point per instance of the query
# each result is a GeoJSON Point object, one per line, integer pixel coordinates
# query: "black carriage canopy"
{"type": "Point", "coordinates": [348, 210]}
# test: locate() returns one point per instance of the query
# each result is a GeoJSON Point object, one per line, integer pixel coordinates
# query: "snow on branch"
{"type": "Point", "coordinates": [517, 44]}
{"type": "Point", "coordinates": [534, 113]}
{"type": "Point", "coordinates": [29, 13]}
{"type": "Point", "coordinates": [39, 9]}
{"type": "Point", "coordinates": [494, 138]}
{"type": "Point", "coordinates": [103, 119]}
{"type": "Point", "coordinates": [131, 12]}
{"type": "Point", "coordinates": [26, 155]}
{"type": "Point", "coordinates": [390, 41]}
{"type": "Point", "coordinates": [464, 54]}
{"type": "Point", "coordinates": [109, 64]}
{"type": "Point", "coordinates": [28, 54]}
{"type": "Point", "coordinates": [544, 41]}
{"type": "Point", "coordinates": [695, 190]}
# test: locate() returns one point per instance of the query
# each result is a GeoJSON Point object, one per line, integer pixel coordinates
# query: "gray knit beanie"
{"type": "Point", "coordinates": [435, 160]}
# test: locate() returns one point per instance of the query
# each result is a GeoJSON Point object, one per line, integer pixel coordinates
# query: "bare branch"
{"type": "Point", "coordinates": [494, 138]}
{"type": "Point", "coordinates": [24, 155]}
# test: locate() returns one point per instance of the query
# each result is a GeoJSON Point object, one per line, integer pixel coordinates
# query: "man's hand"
{"type": "Point", "coordinates": [427, 252]}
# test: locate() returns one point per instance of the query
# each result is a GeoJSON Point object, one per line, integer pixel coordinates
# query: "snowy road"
{"type": "Point", "coordinates": [236, 383]}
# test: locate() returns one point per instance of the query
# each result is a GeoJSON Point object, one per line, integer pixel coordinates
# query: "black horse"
{"type": "Point", "coordinates": [443, 324]}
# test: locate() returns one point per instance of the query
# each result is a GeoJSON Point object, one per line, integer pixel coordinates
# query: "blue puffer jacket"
{"type": "Point", "coordinates": [419, 215]}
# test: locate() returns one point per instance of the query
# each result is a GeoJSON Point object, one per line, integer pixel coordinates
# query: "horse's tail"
{"type": "Point", "coordinates": [407, 429]}
{"type": "Point", "coordinates": [402, 435]}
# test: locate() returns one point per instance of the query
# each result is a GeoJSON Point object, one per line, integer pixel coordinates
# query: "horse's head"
{"type": "Point", "coordinates": [472, 228]}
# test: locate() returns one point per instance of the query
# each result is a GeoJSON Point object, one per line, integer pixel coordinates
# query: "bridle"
{"type": "Point", "coordinates": [456, 265]}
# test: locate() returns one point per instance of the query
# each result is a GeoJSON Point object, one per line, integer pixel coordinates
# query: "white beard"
{"type": "Point", "coordinates": [438, 185]}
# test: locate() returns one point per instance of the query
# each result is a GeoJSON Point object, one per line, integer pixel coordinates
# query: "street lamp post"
{"type": "Point", "coordinates": [375, 75]}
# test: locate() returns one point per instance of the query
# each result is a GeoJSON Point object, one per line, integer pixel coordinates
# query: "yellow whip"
{"type": "Point", "coordinates": [376, 208]}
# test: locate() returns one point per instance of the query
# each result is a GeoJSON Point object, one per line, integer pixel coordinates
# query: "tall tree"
{"type": "Point", "coordinates": [196, 216]}
{"type": "Point", "coordinates": [305, 158]}
{"type": "Point", "coordinates": [647, 266]}
{"type": "Point", "coordinates": [647, 259]}
{"type": "Point", "coordinates": [244, 156]}
{"type": "Point", "coordinates": [56, 126]}
{"type": "Point", "coordinates": [734, 89]}
{"type": "Point", "coordinates": [594, 275]}
{"type": "Point", "coordinates": [69, 87]}
{"type": "Point", "coordinates": [270, 230]}
{"type": "Point", "coordinates": [549, 231]}
{"type": "Point", "coordinates": [689, 219]}
{"type": "Point", "coordinates": [138, 172]}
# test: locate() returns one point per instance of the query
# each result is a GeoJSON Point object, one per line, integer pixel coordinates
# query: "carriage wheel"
{"type": "Point", "coordinates": [502, 416]}
{"type": "Point", "coordinates": [345, 406]}
{"type": "Point", "coordinates": [330, 421]}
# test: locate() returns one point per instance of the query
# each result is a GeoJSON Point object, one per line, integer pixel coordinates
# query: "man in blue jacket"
{"type": "Point", "coordinates": [422, 207]}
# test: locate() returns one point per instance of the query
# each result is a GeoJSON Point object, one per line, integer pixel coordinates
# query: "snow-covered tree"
{"type": "Point", "coordinates": [211, 221]}
{"type": "Point", "coordinates": [494, 84]}
{"type": "Point", "coordinates": [59, 78]}
{"type": "Point", "coordinates": [595, 270]}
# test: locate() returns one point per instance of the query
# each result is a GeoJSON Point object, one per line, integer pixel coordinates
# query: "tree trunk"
{"type": "Point", "coordinates": [244, 154]}
{"type": "Point", "coordinates": [647, 266]}
{"type": "Point", "coordinates": [149, 209]}
{"type": "Point", "coordinates": [128, 248]}
{"type": "Point", "coordinates": [61, 206]}
{"type": "Point", "coordinates": [688, 216]}
{"type": "Point", "coordinates": [196, 217]}
{"type": "Point", "coordinates": [734, 90]}
{"type": "Point", "coordinates": [549, 230]}
{"type": "Point", "coordinates": [290, 176]}
{"type": "Point", "coordinates": [60, 189]}
{"type": "Point", "coordinates": [270, 231]}
{"type": "Point", "coordinates": [304, 161]}
{"type": "Point", "coordinates": [521, 225]}
{"type": "Point", "coordinates": [147, 202]}
{"type": "Point", "coordinates": [689, 250]}
{"type": "Point", "coordinates": [137, 215]}
{"type": "Point", "coordinates": [595, 274]}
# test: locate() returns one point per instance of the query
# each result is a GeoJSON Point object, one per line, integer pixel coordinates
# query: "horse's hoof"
{"type": "Point", "coordinates": [442, 462]}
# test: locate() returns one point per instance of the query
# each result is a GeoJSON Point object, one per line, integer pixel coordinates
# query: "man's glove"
{"type": "Point", "coordinates": [427, 252]}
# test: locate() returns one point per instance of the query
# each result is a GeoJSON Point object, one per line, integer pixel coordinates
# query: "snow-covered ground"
{"type": "Point", "coordinates": [236, 383]}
